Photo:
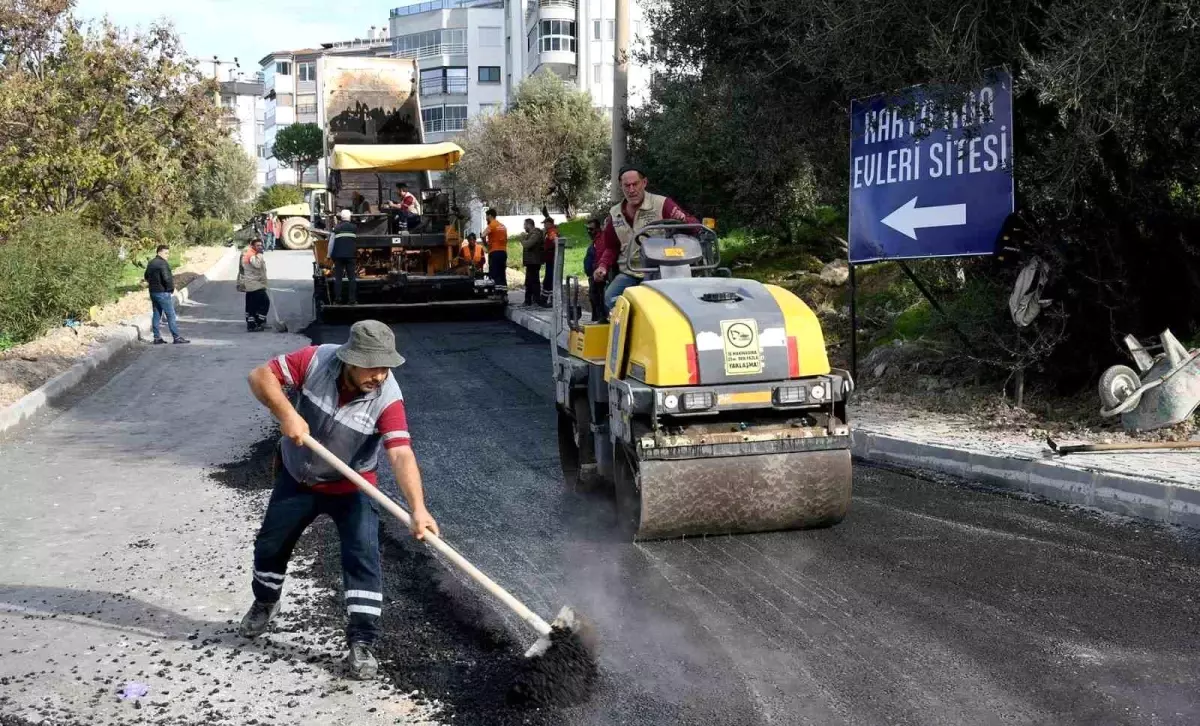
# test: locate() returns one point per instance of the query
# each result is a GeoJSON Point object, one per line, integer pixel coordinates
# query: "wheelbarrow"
{"type": "Point", "coordinates": [1164, 391]}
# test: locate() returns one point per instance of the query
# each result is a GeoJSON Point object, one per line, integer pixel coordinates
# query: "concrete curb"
{"type": "Point", "coordinates": [129, 333]}
{"type": "Point", "coordinates": [1158, 500]}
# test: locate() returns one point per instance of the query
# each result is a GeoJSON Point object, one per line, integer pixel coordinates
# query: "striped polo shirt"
{"type": "Point", "coordinates": [352, 426]}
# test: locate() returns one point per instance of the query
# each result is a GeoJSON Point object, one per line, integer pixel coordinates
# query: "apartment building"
{"type": "Point", "coordinates": [459, 47]}
{"type": "Point", "coordinates": [576, 39]}
{"type": "Point", "coordinates": [244, 106]}
{"type": "Point", "coordinates": [290, 94]}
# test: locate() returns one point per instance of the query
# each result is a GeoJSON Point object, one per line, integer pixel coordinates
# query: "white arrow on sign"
{"type": "Point", "coordinates": [909, 218]}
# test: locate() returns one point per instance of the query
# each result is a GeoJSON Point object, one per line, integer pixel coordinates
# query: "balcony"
{"type": "Point", "coordinates": [532, 12]}
{"type": "Point", "coordinates": [306, 109]}
{"type": "Point", "coordinates": [444, 87]}
{"type": "Point", "coordinates": [426, 51]}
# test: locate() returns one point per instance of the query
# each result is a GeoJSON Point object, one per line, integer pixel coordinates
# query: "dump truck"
{"type": "Point", "coordinates": [707, 404]}
{"type": "Point", "coordinates": [374, 139]}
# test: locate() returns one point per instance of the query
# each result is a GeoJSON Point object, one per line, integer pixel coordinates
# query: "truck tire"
{"type": "Point", "coordinates": [295, 234]}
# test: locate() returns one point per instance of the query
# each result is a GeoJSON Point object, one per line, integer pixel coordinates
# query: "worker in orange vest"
{"type": "Point", "coordinates": [470, 253]}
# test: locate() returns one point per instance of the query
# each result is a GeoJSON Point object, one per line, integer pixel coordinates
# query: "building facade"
{"type": "Point", "coordinates": [459, 47]}
{"type": "Point", "coordinates": [244, 106]}
{"type": "Point", "coordinates": [576, 39]}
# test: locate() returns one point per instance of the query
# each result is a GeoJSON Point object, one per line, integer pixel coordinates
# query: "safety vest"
{"type": "Point", "coordinates": [474, 257]}
{"type": "Point", "coordinates": [350, 432]}
{"type": "Point", "coordinates": [650, 211]}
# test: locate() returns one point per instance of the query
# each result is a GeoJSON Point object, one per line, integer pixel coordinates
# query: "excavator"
{"type": "Point", "coordinates": [707, 403]}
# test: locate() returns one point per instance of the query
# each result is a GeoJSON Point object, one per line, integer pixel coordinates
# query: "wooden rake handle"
{"type": "Point", "coordinates": [531, 618]}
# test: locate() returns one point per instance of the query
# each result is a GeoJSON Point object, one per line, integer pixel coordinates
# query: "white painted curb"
{"type": "Point", "coordinates": [1158, 500]}
{"type": "Point", "coordinates": [129, 333]}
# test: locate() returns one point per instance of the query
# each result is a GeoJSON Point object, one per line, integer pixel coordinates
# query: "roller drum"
{"type": "Point", "coordinates": [734, 494]}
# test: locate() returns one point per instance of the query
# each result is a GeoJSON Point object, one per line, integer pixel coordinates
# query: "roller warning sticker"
{"type": "Point", "coordinates": [743, 349]}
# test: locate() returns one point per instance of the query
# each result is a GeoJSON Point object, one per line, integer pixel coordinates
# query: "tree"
{"type": "Point", "coordinates": [100, 123]}
{"type": "Point", "coordinates": [300, 146]}
{"type": "Point", "coordinates": [551, 143]}
{"type": "Point", "coordinates": [749, 114]}
{"type": "Point", "coordinates": [221, 189]}
{"type": "Point", "coordinates": [278, 195]}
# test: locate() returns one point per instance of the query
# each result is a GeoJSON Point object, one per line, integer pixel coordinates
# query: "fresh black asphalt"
{"type": "Point", "coordinates": [932, 603]}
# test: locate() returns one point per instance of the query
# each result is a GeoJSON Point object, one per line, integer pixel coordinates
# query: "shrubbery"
{"type": "Point", "coordinates": [208, 232]}
{"type": "Point", "coordinates": [52, 267]}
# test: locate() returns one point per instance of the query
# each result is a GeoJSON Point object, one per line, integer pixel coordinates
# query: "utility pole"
{"type": "Point", "coordinates": [620, 112]}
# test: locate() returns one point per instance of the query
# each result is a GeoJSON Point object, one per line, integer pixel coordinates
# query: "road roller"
{"type": "Point", "coordinates": [706, 404]}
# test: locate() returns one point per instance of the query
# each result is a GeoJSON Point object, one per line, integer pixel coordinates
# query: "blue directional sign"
{"type": "Point", "coordinates": [930, 172]}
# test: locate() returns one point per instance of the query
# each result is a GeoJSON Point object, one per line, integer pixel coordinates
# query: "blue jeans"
{"type": "Point", "coordinates": [620, 284]}
{"type": "Point", "coordinates": [268, 241]}
{"type": "Point", "coordinates": [292, 508]}
{"type": "Point", "coordinates": [164, 306]}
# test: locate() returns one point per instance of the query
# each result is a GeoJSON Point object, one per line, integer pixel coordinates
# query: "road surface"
{"type": "Point", "coordinates": [933, 603]}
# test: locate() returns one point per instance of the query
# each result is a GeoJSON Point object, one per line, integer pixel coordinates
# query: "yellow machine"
{"type": "Point", "coordinates": [707, 402]}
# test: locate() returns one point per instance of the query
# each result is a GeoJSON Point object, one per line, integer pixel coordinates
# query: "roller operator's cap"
{"type": "Point", "coordinates": [631, 167]}
{"type": "Point", "coordinates": [371, 345]}
{"type": "Point", "coordinates": [344, 215]}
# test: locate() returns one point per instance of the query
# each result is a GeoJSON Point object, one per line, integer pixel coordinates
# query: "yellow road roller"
{"type": "Point", "coordinates": [707, 403]}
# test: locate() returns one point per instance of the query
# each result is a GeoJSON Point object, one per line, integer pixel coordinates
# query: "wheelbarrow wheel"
{"type": "Point", "coordinates": [1117, 385]}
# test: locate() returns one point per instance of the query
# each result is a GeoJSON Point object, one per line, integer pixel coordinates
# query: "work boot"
{"type": "Point", "coordinates": [361, 662]}
{"type": "Point", "coordinates": [257, 620]}
{"type": "Point", "coordinates": [181, 341]}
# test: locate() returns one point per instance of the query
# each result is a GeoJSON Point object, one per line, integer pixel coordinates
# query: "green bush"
{"type": "Point", "coordinates": [52, 268]}
{"type": "Point", "coordinates": [278, 195]}
{"type": "Point", "coordinates": [209, 232]}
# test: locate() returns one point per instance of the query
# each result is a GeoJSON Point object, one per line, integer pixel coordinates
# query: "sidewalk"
{"type": "Point", "coordinates": [1160, 486]}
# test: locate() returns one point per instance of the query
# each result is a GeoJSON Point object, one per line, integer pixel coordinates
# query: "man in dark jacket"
{"type": "Point", "coordinates": [595, 289]}
{"type": "Point", "coordinates": [533, 252]}
{"type": "Point", "coordinates": [343, 250]}
{"type": "Point", "coordinates": [162, 288]}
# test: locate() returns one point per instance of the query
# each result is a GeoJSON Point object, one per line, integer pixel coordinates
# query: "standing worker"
{"type": "Point", "coordinates": [276, 230]}
{"type": "Point", "coordinates": [343, 250]}
{"type": "Point", "coordinates": [252, 279]}
{"type": "Point", "coordinates": [551, 245]}
{"type": "Point", "coordinates": [495, 236]}
{"type": "Point", "coordinates": [625, 220]}
{"type": "Point", "coordinates": [595, 289]}
{"type": "Point", "coordinates": [351, 399]}
{"type": "Point", "coordinates": [162, 290]}
{"type": "Point", "coordinates": [533, 252]}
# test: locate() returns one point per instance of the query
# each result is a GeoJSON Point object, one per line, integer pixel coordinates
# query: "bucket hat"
{"type": "Point", "coordinates": [371, 345]}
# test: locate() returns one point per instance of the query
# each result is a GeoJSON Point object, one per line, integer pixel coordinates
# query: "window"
{"type": "Point", "coordinates": [489, 74]}
{"type": "Point", "coordinates": [262, 151]}
{"type": "Point", "coordinates": [306, 71]}
{"type": "Point", "coordinates": [283, 99]}
{"type": "Point", "coordinates": [490, 37]}
{"type": "Point", "coordinates": [443, 81]}
{"type": "Point", "coordinates": [455, 118]}
{"type": "Point", "coordinates": [431, 119]}
{"type": "Point", "coordinates": [431, 42]}
{"type": "Point", "coordinates": [557, 35]}
{"type": "Point", "coordinates": [612, 29]}
{"type": "Point", "coordinates": [306, 103]}
{"type": "Point", "coordinates": [637, 29]}
{"type": "Point", "coordinates": [283, 68]}
{"type": "Point", "coordinates": [489, 108]}
{"type": "Point", "coordinates": [595, 30]}
{"type": "Point", "coordinates": [596, 73]}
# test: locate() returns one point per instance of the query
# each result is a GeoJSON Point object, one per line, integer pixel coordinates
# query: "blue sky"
{"type": "Point", "coordinates": [248, 29]}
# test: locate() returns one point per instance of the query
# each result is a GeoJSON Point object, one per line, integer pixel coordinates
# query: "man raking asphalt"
{"type": "Point", "coordinates": [348, 396]}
